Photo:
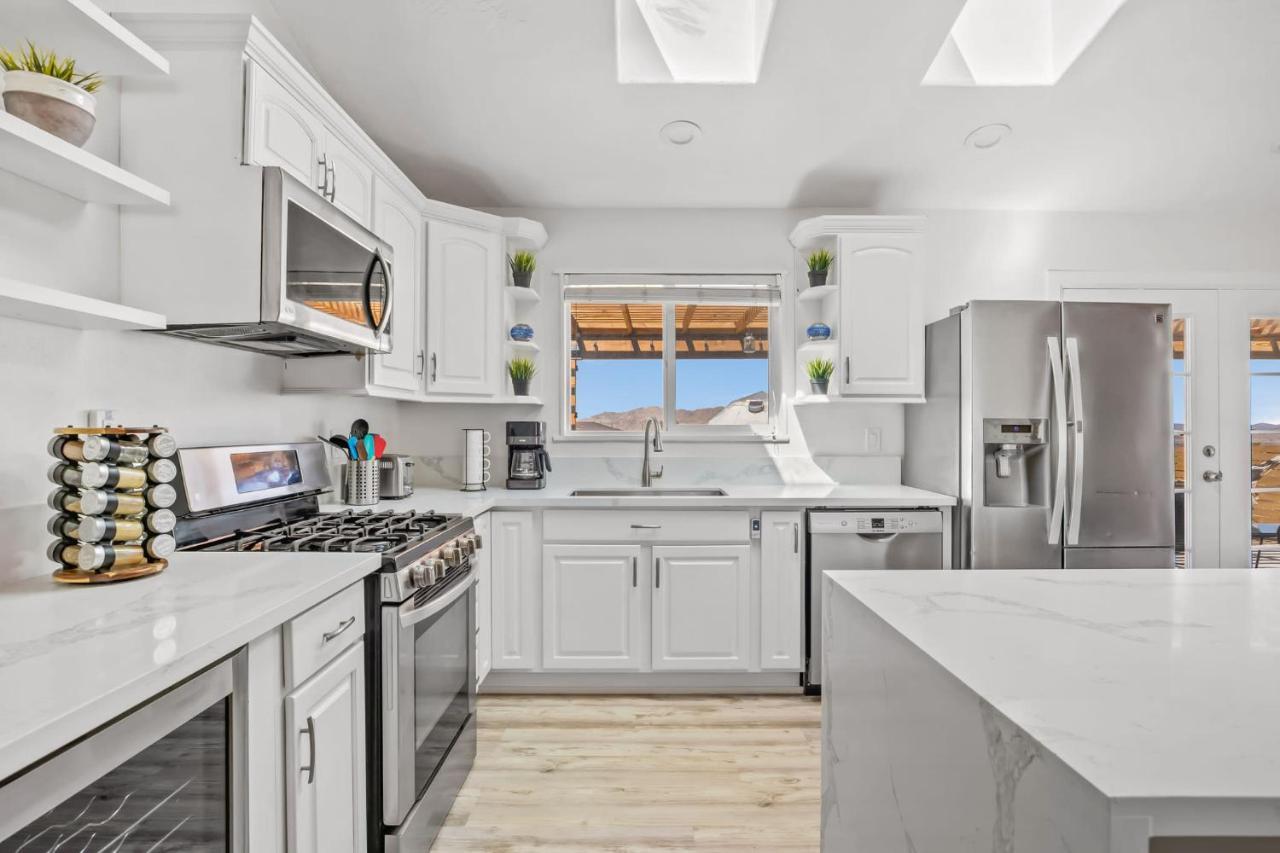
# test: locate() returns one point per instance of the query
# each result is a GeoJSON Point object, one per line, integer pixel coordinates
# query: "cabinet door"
{"type": "Point", "coordinates": [881, 325]}
{"type": "Point", "coordinates": [350, 179]}
{"type": "Point", "coordinates": [591, 607]}
{"type": "Point", "coordinates": [464, 280]}
{"type": "Point", "coordinates": [484, 606]}
{"type": "Point", "coordinates": [281, 131]}
{"type": "Point", "coordinates": [398, 222]}
{"type": "Point", "coordinates": [516, 590]}
{"type": "Point", "coordinates": [324, 757]}
{"type": "Point", "coordinates": [701, 607]}
{"type": "Point", "coordinates": [782, 590]}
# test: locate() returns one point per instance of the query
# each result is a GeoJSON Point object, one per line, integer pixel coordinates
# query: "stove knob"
{"type": "Point", "coordinates": [478, 541]}
{"type": "Point", "coordinates": [468, 546]}
{"type": "Point", "coordinates": [452, 555]}
{"type": "Point", "coordinates": [426, 573]}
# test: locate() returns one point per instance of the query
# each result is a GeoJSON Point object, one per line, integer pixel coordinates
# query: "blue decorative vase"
{"type": "Point", "coordinates": [818, 332]}
{"type": "Point", "coordinates": [521, 332]}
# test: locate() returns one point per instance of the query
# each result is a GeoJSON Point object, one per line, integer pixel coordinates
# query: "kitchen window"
{"type": "Point", "coordinates": [692, 351]}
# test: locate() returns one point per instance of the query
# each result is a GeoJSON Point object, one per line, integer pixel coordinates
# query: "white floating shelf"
{"type": "Point", "coordinates": [803, 400]}
{"type": "Point", "coordinates": [43, 158]}
{"type": "Point", "coordinates": [82, 30]}
{"type": "Point", "coordinates": [524, 233]}
{"type": "Point", "coordinates": [513, 400]}
{"type": "Point", "coordinates": [36, 304]}
{"type": "Point", "coordinates": [528, 346]}
{"type": "Point", "coordinates": [817, 345]}
{"type": "Point", "coordinates": [817, 294]}
{"type": "Point", "coordinates": [524, 295]}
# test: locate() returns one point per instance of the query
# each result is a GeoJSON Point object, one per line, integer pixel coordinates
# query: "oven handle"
{"type": "Point", "coordinates": [409, 615]}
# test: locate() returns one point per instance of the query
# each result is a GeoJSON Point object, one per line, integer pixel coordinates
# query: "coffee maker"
{"type": "Point", "coordinates": [527, 460]}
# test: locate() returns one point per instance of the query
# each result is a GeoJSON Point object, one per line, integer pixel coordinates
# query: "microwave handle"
{"type": "Point", "coordinates": [381, 325]}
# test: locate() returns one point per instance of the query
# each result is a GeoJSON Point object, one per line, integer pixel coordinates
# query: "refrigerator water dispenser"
{"type": "Point", "coordinates": [1014, 461]}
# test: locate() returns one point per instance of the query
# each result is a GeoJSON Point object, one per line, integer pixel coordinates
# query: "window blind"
{"type": "Point", "coordinates": [749, 289]}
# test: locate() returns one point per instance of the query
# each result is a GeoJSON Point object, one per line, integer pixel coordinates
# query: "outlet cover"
{"type": "Point", "coordinates": [871, 440]}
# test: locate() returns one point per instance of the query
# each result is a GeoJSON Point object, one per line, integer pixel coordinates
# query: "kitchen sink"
{"type": "Point", "coordinates": [648, 493]}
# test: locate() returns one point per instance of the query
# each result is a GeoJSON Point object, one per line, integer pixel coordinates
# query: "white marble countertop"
{"type": "Point", "coordinates": [74, 657]}
{"type": "Point", "coordinates": [557, 497]}
{"type": "Point", "coordinates": [1148, 683]}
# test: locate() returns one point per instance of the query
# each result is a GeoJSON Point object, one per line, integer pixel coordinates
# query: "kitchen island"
{"type": "Point", "coordinates": [1037, 711]}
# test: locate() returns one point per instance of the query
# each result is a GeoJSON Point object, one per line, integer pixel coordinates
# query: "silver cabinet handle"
{"type": "Point", "coordinates": [635, 572]}
{"type": "Point", "coordinates": [422, 362]}
{"type": "Point", "coordinates": [795, 538]}
{"type": "Point", "coordinates": [310, 732]}
{"type": "Point", "coordinates": [847, 370]}
{"type": "Point", "coordinates": [646, 527]}
{"type": "Point", "coordinates": [657, 572]}
{"type": "Point", "coordinates": [323, 188]}
{"type": "Point", "coordinates": [342, 626]}
{"type": "Point", "coordinates": [433, 367]}
{"type": "Point", "coordinates": [1213, 476]}
{"type": "Point", "coordinates": [333, 182]}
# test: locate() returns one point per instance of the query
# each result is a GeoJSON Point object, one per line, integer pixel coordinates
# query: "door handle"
{"type": "Point", "coordinates": [433, 367]}
{"type": "Point", "coordinates": [635, 572]}
{"type": "Point", "coordinates": [422, 362]}
{"type": "Point", "coordinates": [310, 732]}
{"type": "Point", "coordinates": [646, 527]}
{"type": "Point", "coordinates": [1060, 424]}
{"type": "Point", "coordinates": [333, 182]}
{"type": "Point", "coordinates": [848, 371]}
{"type": "Point", "coordinates": [657, 572]}
{"type": "Point", "coordinates": [342, 626]}
{"type": "Point", "coordinates": [1213, 476]}
{"type": "Point", "coordinates": [323, 187]}
{"type": "Point", "coordinates": [795, 538]}
{"type": "Point", "coordinates": [1077, 429]}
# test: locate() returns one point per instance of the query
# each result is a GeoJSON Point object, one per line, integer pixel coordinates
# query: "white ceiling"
{"type": "Point", "coordinates": [1175, 106]}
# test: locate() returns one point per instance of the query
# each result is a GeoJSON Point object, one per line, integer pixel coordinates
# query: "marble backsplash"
{"type": "Point", "coordinates": [679, 470]}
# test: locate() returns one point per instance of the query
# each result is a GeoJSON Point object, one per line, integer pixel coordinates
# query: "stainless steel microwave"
{"type": "Point", "coordinates": [326, 282]}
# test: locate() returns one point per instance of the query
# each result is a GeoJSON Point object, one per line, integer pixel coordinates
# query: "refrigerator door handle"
{"type": "Point", "coordinates": [1077, 430]}
{"type": "Point", "coordinates": [1060, 431]}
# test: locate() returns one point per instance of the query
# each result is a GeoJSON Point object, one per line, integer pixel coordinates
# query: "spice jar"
{"type": "Point", "coordinates": [98, 448]}
{"type": "Point", "coordinates": [93, 528]}
{"type": "Point", "coordinates": [162, 471]}
{"type": "Point", "coordinates": [93, 475]}
{"type": "Point", "coordinates": [97, 502]}
{"type": "Point", "coordinates": [161, 496]}
{"type": "Point", "coordinates": [92, 557]}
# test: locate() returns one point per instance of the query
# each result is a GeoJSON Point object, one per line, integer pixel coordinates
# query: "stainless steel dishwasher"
{"type": "Point", "coordinates": [865, 540]}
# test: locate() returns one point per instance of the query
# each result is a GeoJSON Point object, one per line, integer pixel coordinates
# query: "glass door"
{"type": "Point", "coordinates": [1194, 414]}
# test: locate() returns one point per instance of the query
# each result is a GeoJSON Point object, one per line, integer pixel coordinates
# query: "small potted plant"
{"type": "Point", "coordinates": [819, 263]}
{"type": "Point", "coordinates": [521, 370]}
{"type": "Point", "coordinates": [820, 370]}
{"type": "Point", "coordinates": [48, 91]}
{"type": "Point", "coordinates": [522, 263]}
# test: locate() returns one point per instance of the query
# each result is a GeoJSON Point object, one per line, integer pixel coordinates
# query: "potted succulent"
{"type": "Point", "coordinates": [820, 370]}
{"type": "Point", "coordinates": [522, 263]}
{"type": "Point", "coordinates": [819, 263]}
{"type": "Point", "coordinates": [48, 91]}
{"type": "Point", "coordinates": [521, 370]}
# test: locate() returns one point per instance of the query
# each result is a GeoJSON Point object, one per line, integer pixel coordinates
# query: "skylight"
{"type": "Point", "coordinates": [691, 41]}
{"type": "Point", "coordinates": [1018, 42]}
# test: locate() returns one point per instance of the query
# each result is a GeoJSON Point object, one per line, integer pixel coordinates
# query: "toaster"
{"type": "Point", "coordinates": [395, 476]}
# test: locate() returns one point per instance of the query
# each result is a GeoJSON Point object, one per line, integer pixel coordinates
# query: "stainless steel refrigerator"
{"type": "Point", "coordinates": [1051, 423]}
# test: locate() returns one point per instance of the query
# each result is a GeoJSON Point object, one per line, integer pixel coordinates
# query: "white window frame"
{"type": "Point", "coordinates": [772, 432]}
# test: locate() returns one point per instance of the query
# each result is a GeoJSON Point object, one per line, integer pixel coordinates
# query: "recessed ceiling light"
{"type": "Point", "coordinates": [988, 136]}
{"type": "Point", "coordinates": [680, 132]}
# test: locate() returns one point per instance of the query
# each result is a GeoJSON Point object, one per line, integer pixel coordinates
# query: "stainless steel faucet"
{"type": "Point", "coordinates": [647, 475]}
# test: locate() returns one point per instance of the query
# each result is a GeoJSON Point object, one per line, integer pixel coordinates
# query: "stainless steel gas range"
{"type": "Point", "coordinates": [421, 616]}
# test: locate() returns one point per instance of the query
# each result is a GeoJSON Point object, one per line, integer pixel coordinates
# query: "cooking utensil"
{"type": "Point", "coordinates": [337, 441]}
{"type": "Point", "coordinates": [360, 428]}
{"type": "Point", "coordinates": [368, 447]}
{"type": "Point", "coordinates": [352, 453]}
{"type": "Point", "coordinates": [379, 446]}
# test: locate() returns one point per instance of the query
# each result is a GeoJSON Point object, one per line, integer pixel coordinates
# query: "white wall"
{"type": "Point", "coordinates": [972, 255]}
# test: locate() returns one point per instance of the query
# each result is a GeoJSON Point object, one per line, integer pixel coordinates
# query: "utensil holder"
{"type": "Point", "coordinates": [361, 482]}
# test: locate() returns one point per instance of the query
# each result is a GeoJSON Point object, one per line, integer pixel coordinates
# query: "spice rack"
{"type": "Point", "coordinates": [113, 519]}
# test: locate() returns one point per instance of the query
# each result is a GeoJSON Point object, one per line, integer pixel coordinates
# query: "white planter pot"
{"type": "Point", "coordinates": [53, 105]}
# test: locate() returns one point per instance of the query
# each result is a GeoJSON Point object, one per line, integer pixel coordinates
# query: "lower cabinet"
{"type": "Point", "coordinates": [782, 587]}
{"type": "Point", "coordinates": [484, 603]}
{"type": "Point", "coordinates": [702, 607]}
{"type": "Point", "coordinates": [515, 597]}
{"type": "Point", "coordinates": [325, 758]}
{"type": "Point", "coordinates": [592, 607]}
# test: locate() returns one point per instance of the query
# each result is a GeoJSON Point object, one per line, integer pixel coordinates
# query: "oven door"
{"type": "Point", "coordinates": [428, 690]}
{"type": "Point", "coordinates": [322, 272]}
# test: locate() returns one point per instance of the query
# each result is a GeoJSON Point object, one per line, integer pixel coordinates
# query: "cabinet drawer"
{"type": "Point", "coordinates": [646, 525]}
{"type": "Point", "coordinates": [322, 633]}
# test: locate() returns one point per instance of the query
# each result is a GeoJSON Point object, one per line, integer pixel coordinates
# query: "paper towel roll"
{"type": "Point", "coordinates": [475, 461]}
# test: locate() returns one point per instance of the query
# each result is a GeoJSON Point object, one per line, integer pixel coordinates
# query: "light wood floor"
{"type": "Point", "coordinates": [640, 773]}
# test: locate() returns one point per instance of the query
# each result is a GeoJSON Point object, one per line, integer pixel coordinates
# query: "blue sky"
{"type": "Point", "coordinates": [607, 385]}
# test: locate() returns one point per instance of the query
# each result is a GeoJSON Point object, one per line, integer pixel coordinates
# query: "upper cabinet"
{"type": "Point", "coordinates": [350, 179]}
{"type": "Point", "coordinates": [871, 302]}
{"type": "Point", "coordinates": [464, 283]}
{"type": "Point", "coordinates": [396, 220]}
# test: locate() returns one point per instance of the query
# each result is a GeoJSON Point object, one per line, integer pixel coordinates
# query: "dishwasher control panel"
{"type": "Point", "coordinates": [875, 522]}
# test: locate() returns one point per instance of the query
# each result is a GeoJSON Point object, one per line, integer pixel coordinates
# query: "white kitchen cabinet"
{"type": "Point", "coordinates": [593, 607]}
{"type": "Point", "coordinates": [281, 131]}
{"type": "Point", "coordinates": [397, 221]}
{"type": "Point", "coordinates": [782, 585]}
{"type": "Point", "coordinates": [881, 324]}
{"type": "Point", "coordinates": [516, 589]}
{"type": "Point", "coordinates": [464, 283]}
{"type": "Point", "coordinates": [701, 607]}
{"type": "Point", "coordinates": [483, 560]}
{"type": "Point", "coordinates": [325, 759]}
{"type": "Point", "coordinates": [350, 179]}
